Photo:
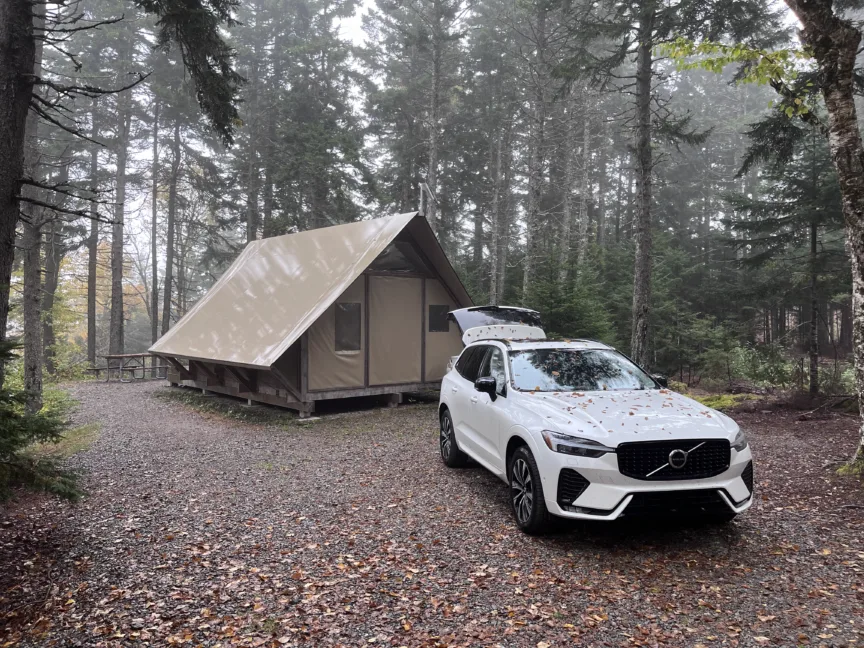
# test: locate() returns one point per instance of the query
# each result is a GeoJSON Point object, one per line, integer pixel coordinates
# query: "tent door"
{"type": "Point", "coordinates": [395, 330]}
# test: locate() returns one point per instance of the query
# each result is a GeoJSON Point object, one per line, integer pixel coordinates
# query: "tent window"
{"type": "Point", "coordinates": [348, 327]}
{"type": "Point", "coordinates": [438, 322]}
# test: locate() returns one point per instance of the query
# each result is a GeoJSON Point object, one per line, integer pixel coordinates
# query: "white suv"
{"type": "Point", "coordinates": [578, 431]}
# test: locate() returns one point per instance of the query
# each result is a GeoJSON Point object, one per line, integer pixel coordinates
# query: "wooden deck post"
{"type": "Point", "coordinates": [394, 400]}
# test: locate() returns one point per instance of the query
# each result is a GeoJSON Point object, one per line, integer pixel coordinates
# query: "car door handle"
{"type": "Point", "coordinates": [454, 389]}
{"type": "Point", "coordinates": [474, 399]}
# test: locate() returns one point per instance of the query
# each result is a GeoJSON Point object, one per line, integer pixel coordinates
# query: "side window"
{"type": "Point", "coordinates": [348, 327]}
{"type": "Point", "coordinates": [494, 367]}
{"type": "Point", "coordinates": [464, 359]}
{"type": "Point", "coordinates": [470, 361]}
{"type": "Point", "coordinates": [438, 322]}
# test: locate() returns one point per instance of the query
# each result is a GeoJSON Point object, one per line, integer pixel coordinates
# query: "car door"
{"type": "Point", "coordinates": [461, 394]}
{"type": "Point", "coordinates": [488, 417]}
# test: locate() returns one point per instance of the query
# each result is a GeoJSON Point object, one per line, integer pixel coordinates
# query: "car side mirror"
{"type": "Point", "coordinates": [663, 380]}
{"type": "Point", "coordinates": [487, 385]}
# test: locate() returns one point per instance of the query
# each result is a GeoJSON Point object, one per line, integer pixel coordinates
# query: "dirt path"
{"type": "Point", "coordinates": [348, 531]}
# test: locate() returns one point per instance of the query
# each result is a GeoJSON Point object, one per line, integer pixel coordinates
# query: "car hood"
{"type": "Point", "coordinates": [615, 417]}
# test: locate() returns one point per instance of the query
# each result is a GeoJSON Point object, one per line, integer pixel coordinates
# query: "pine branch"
{"type": "Point", "coordinates": [72, 131]}
{"type": "Point", "coordinates": [81, 213]}
{"type": "Point", "coordinates": [63, 189]}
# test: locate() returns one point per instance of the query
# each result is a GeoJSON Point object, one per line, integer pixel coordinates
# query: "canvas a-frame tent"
{"type": "Point", "coordinates": [337, 312]}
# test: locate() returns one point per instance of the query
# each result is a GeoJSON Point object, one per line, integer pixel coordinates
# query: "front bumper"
{"type": "Point", "coordinates": [609, 494]}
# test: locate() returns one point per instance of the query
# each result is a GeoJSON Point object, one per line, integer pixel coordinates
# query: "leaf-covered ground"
{"type": "Point", "coordinates": [203, 530]}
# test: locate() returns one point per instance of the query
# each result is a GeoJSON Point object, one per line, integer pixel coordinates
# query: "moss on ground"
{"type": "Point", "coordinates": [72, 442]}
{"type": "Point", "coordinates": [228, 407]}
{"type": "Point", "coordinates": [723, 401]}
{"type": "Point", "coordinates": [854, 467]}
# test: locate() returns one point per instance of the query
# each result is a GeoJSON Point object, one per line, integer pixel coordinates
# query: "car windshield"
{"type": "Point", "coordinates": [552, 370]}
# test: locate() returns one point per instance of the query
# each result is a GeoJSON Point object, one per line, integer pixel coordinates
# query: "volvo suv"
{"type": "Point", "coordinates": [577, 430]}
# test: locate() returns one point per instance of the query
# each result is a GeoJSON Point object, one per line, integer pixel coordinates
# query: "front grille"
{"type": "Point", "coordinates": [676, 503]}
{"type": "Point", "coordinates": [570, 486]}
{"type": "Point", "coordinates": [638, 460]}
{"type": "Point", "coordinates": [747, 476]}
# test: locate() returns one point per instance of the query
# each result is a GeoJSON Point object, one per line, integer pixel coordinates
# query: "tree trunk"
{"type": "Point", "coordinates": [834, 42]}
{"type": "Point", "coordinates": [501, 238]}
{"type": "Point", "coordinates": [619, 202]}
{"type": "Point", "coordinates": [182, 251]}
{"type": "Point", "coordinates": [642, 269]}
{"type": "Point", "coordinates": [495, 215]}
{"type": "Point", "coordinates": [601, 186]}
{"type": "Point", "coordinates": [92, 244]}
{"type": "Point", "coordinates": [567, 199]}
{"type": "Point", "coordinates": [506, 211]}
{"type": "Point", "coordinates": [53, 257]}
{"type": "Point", "coordinates": [253, 179]}
{"type": "Point", "coordinates": [17, 57]}
{"type": "Point", "coordinates": [477, 241]}
{"type": "Point", "coordinates": [628, 226]}
{"type": "Point", "coordinates": [814, 312]}
{"type": "Point", "coordinates": [584, 188]}
{"type": "Point", "coordinates": [535, 156]}
{"type": "Point", "coordinates": [781, 322]}
{"type": "Point", "coordinates": [116, 324]}
{"type": "Point", "coordinates": [268, 227]}
{"type": "Point", "coordinates": [154, 221]}
{"type": "Point", "coordinates": [169, 242]}
{"type": "Point", "coordinates": [54, 251]}
{"type": "Point", "coordinates": [31, 242]}
{"type": "Point", "coordinates": [434, 118]}
{"type": "Point", "coordinates": [846, 327]}
{"type": "Point", "coordinates": [32, 245]}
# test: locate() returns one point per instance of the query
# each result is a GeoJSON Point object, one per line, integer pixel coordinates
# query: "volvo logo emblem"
{"type": "Point", "coordinates": [677, 459]}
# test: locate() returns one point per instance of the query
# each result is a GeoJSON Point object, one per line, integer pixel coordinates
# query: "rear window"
{"type": "Point", "coordinates": [468, 318]}
{"type": "Point", "coordinates": [469, 362]}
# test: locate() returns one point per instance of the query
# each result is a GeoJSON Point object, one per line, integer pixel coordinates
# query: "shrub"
{"type": "Point", "coordinates": [20, 431]}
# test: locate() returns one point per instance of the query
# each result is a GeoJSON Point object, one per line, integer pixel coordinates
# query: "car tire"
{"type": "Point", "coordinates": [526, 493]}
{"type": "Point", "coordinates": [451, 455]}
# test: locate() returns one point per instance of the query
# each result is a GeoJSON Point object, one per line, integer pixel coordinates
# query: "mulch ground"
{"type": "Point", "coordinates": [348, 531]}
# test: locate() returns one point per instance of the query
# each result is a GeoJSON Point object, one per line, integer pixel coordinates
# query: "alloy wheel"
{"type": "Point", "coordinates": [446, 437]}
{"type": "Point", "coordinates": [521, 490]}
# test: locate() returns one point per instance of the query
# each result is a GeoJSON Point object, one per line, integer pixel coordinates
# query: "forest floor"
{"type": "Point", "coordinates": [199, 529]}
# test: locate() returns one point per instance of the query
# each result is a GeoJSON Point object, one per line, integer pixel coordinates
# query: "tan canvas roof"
{"type": "Point", "coordinates": [279, 286]}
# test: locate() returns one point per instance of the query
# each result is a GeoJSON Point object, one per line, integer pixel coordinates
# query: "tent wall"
{"type": "Point", "coordinates": [395, 330]}
{"type": "Point", "coordinates": [329, 368]}
{"type": "Point", "coordinates": [440, 346]}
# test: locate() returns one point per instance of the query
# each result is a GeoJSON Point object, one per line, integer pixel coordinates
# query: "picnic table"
{"type": "Point", "coordinates": [133, 364]}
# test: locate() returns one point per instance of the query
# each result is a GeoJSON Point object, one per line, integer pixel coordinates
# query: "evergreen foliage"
{"type": "Point", "coordinates": [19, 431]}
{"type": "Point", "coordinates": [532, 134]}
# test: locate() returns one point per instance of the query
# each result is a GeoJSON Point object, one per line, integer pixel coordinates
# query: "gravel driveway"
{"type": "Point", "coordinates": [348, 531]}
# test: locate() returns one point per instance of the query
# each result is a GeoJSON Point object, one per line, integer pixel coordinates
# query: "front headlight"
{"type": "Point", "coordinates": [740, 441]}
{"type": "Point", "coordinates": [566, 444]}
